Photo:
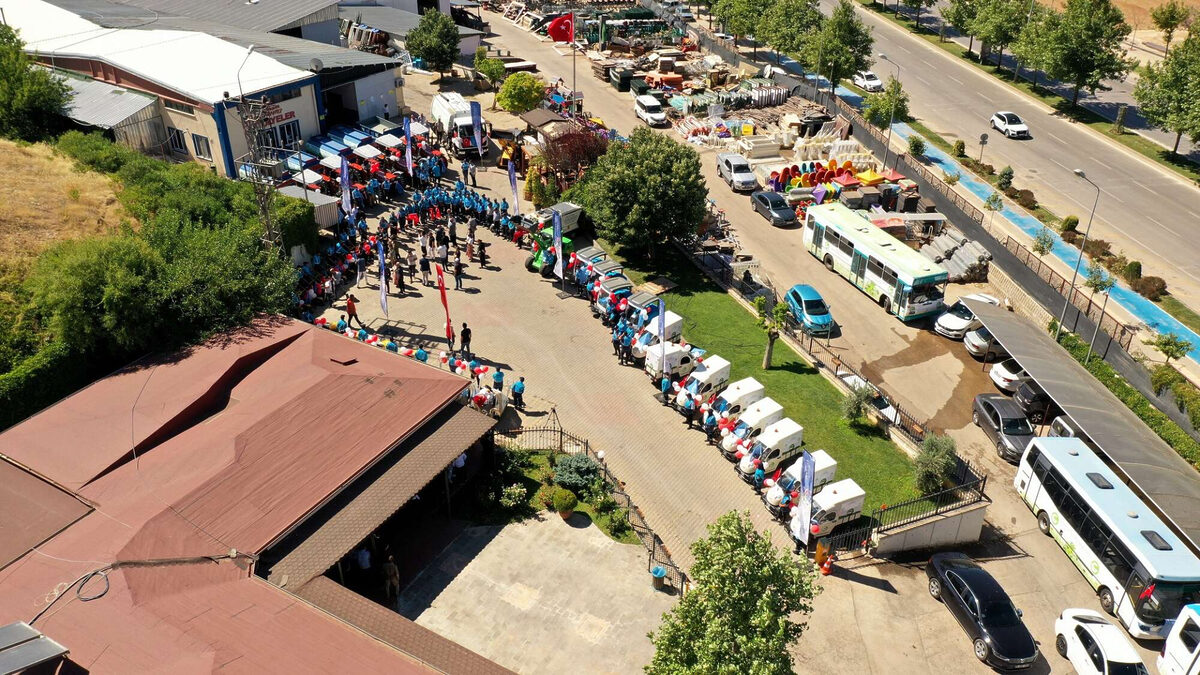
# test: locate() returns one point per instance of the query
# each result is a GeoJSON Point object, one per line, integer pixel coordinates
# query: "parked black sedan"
{"type": "Point", "coordinates": [773, 207]}
{"type": "Point", "coordinates": [983, 609]}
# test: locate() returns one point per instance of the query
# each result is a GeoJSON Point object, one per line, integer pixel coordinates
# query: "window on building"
{"type": "Point", "coordinates": [178, 107]}
{"type": "Point", "coordinates": [282, 96]}
{"type": "Point", "coordinates": [200, 145]}
{"type": "Point", "coordinates": [176, 140]}
{"type": "Point", "coordinates": [289, 134]}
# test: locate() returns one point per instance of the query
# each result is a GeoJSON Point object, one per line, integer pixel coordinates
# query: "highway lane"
{"type": "Point", "coordinates": [1149, 213]}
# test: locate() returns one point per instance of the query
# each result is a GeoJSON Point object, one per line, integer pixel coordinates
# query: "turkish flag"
{"type": "Point", "coordinates": [562, 29]}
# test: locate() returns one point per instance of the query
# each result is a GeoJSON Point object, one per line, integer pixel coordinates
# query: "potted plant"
{"type": "Point", "coordinates": [565, 502]}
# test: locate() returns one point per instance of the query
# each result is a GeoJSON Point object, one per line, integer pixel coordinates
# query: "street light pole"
{"type": "Point", "coordinates": [891, 111]}
{"type": "Point", "coordinates": [241, 94]}
{"type": "Point", "coordinates": [1075, 274]}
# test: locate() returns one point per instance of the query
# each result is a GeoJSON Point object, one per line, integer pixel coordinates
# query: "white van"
{"type": "Point", "coordinates": [838, 503]}
{"type": "Point", "coordinates": [672, 331]}
{"type": "Point", "coordinates": [737, 397]}
{"type": "Point", "coordinates": [760, 415]}
{"type": "Point", "coordinates": [781, 494]}
{"type": "Point", "coordinates": [780, 442]}
{"type": "Point", "coordinates": [1181, 651]}
{"type": "Point", "coordinates": [649, 110]}
{"type": "Point", "coordinates": [680, 360]}
{"type": "Point", "coordinates": [709, 378]}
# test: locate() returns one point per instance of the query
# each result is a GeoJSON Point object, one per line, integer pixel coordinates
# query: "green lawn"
{"type": "Point", "coordinates": [1135, 142]}
{"type": "Point", "coordinates": [1184, 314]}
{"type": "Point", "coordinates": [717, 323]}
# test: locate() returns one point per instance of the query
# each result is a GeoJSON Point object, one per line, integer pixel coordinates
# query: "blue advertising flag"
{"type": "Point", "coordinates": [383, 278]}
{"type": "Point", "coordinates": [345, 178]}
{"type": "Point", "coordinates": [808, 468]}
{"type": "Point", "coordinates": [408, 144]}
{"type": "Point", "coordinates": [512, 180]}
{"type": "Point", "coordinates": [477, 125]}
{"type": "Point", "coordinates": [558, 245]}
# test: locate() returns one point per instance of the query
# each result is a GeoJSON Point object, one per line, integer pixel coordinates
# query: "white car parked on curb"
{"type": "Point", "coordinates": [1094, 646]}
{"type": "Point", "coordinates": [867, 81]}
{"type": "Point", "coordinates": [958, 318]}
{"type": "Point", "coordinates": [1010, 125]}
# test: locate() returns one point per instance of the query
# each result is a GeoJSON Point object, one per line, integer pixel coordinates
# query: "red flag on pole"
{"type": "Point", "coordinates": [562, 29]}
{"type": "Point", "coordinates": [442, 287]}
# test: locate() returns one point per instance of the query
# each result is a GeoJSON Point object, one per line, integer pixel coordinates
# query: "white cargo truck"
{"type": "Point", "coordinates": [782, 494]}
{"type": "Point", "coordinates": [453, 113]}
{"type": "Point", "coordinates": [760, 415]}
{"type": "Point", "coordinates": [838, 503]}
{"type": "Point", "coordinates": [777, 444]}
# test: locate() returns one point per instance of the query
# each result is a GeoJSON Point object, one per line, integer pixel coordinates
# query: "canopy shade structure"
{"type": "Point", "coordinates": [1163, 479]}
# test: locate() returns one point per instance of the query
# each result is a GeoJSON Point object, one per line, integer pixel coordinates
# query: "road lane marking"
{"type": "Point", "coordinates": [1160, 224]}
{"type": "Point", "coordinates": [1113, 195]}
{"type": "Point", "coordinates": [960, 82]}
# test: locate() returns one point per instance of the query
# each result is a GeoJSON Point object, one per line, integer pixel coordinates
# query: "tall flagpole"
{"type": "Point", "coordinates": [573, 89]}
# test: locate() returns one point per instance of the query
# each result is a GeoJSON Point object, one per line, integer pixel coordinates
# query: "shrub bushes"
{"type": "Point", "coordinates": [1150, 287]}
{"type": "Point", "coordinates": [1132, 271]}
{"type": "Point", "coordinates": [576, 472]}
{"type": "Point", "coordinates": [1159, 423]}
{"type": "Point", "coordinates": [565, 501]}
{"type": "Point", "coordinates": [1071, 237]}
{"type": "Point", "coordinates": [960, 148]}
{"type": "Point", "coordinates": [1026, 199]}
{"type": "Point", "coordinates": [934, 463]}
{"type": "Point", "coordinates": [1004, 179]}
{"type": "Point", "coordinates": [1069, 224]}
{"type": "Point", "coordinates": [916, 146]}
{"type": "Point", "coordinates": [1164, 377]}
{"type": "Point", "coordinates": [1097, 248]}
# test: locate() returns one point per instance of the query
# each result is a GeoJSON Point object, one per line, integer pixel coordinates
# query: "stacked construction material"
{"type": "Point", "coordinates": [965, 260]}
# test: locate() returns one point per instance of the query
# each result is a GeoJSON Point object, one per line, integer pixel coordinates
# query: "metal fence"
{"type": "Point", "coordinates": [889, 517]}
{"type": "Point", "coordinates": [1117, 330]}
{"type": "Point", "coordinates": [555, 440]}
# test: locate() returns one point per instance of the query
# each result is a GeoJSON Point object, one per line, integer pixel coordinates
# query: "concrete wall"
{"type": "Point", "coordinates": [199, 122]}
{"type": "Point", "coordinates": [960, 526]}
{"type": "Point", "coordinates": [1015, 297]}
{"type": "Point", "coordinates": [322, 31]}
{"type": "Point", "coordinates": [372, 92]}
{"type": "Point", "coordinates": [469, 43]}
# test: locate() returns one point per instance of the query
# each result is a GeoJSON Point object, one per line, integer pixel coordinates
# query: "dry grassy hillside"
{"type": "Point", "coordinates": [43, 199]}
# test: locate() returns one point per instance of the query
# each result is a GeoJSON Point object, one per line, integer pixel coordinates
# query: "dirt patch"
{"type": "Point", "coordinates": [45, 200]}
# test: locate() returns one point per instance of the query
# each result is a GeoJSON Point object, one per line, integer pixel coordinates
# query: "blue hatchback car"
{"type": "Point", "coordinates": [809, 309]}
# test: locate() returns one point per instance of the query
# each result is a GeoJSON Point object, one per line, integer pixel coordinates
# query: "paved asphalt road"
{"type": "Point", "coordinates": [1144, 210]}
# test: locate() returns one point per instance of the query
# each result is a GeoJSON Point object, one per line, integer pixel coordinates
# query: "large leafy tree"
{"type": "Point", "coordinates": [1035, 46]}
{"type": "Point", "coordinates": [961, 14]}
{"type": "Point", "coordinates": [434, 41]}
{"type": "Point", "coordinates": [642, 193]}
{"type": "Point", "coordinates": [842, 44]}
{"type": "Point", "coordinates": [492, 70]}
{"type": "Point", "coordinates": [1168, 93]}
{"type": "Point", "coordinates": [569, 152]}
{"type": "Point", "coordinates": [1089, 45]}
{"type": "Point", "coordinates": [890, 104]}
{"type": "Point", "coordinates": [521, 92]}
{"type": "Point", "coordinates": [1169, 17]}
{"type": "Point", "coordinates": [786, 25]}
{"type": "Point", "coordinates": [32, 99]}
{"type": "Point", "coordinates": [738, 616]}
{"type": "Point", "coordinates": [740, 17]}
{"type": "Point", "coordinates": [997, 23]}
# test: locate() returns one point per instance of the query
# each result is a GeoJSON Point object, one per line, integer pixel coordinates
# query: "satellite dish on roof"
{"type": "Point", "coordinates": [315, 65]}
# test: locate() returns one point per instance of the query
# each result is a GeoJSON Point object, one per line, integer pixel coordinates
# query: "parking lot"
{"type": "Point", "coordinates": [930, 376]}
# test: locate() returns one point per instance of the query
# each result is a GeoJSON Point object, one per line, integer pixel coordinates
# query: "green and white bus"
{"type": "Point", "coordinates": [1142, 571]}
{"type": "Point", "coordinates": [902, 281]}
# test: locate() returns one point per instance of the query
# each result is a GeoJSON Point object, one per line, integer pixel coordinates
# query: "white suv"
{"type": "Point", "coordinates": [868, 81]}
{"type": "Point", "coordinates": [1010, 125]}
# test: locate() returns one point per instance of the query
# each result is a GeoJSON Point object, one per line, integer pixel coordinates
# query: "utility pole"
{"type": "Point", "coordinates": [260, 162]}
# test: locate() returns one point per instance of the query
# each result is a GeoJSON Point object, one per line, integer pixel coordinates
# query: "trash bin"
{"type": "Point", "coordinates": [658, 575]}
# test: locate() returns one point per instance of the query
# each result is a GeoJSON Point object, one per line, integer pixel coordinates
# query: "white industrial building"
{"type": "Point", "coordinates": [194, 68]}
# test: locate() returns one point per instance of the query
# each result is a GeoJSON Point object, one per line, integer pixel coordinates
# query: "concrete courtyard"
{"type": "Point", "coordinates": [542, 596]}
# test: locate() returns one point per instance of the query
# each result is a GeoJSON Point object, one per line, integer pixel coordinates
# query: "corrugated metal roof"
{"type": "Point", "coordinates": [363, 507]}
{"type": "Point", "coordinates": [1164, 478]}
{"type": "Point", "coordinates": [390, 20]}
{"type": "Point", "coordinates": [263, 15]}
{"type": "Point", "coordinates": [291, 51]}
{"type": "Point", "coordinates": [103, 105]}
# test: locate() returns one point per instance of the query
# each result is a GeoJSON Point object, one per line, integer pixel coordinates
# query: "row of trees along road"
{"type": "Point", "coordinates": [833, 46]}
